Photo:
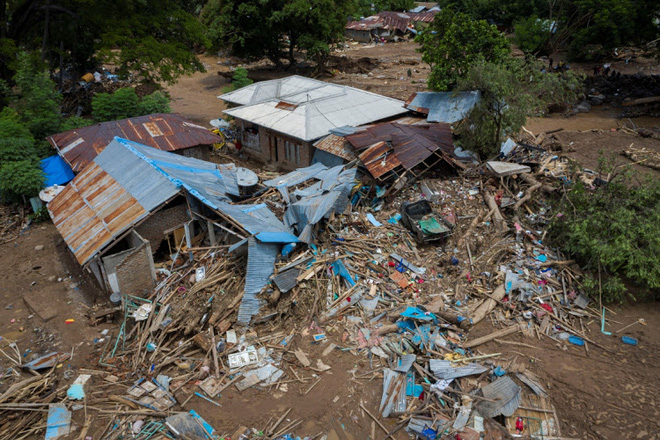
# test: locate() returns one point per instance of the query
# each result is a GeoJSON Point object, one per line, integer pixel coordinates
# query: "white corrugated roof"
{"type": "Point", "coordinates": [315, 107]}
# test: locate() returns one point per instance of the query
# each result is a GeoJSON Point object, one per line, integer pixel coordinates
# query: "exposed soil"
{"type": "Point", "coordinates": [599, 393]}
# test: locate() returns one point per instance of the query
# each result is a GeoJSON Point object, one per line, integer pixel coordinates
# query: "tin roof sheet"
{"type": "Point", "coordinates": [167, 132]}
{"type": "Point", "coordinates": [261, 260]}
{"type": "Point", "coordinates": [318, 108]}
{"type": "Point", "coordinates": [503, 398]}
{"type": "Point", "coordinates": [448, 107]}
{"type": "Point", "coordinates": [93, 210]}
{"type": "Point", "coordinates": [336, 145]}
{"type": "Point", "coordinates": [386, 19]}
{"type": "Point", "coordinates": [121, 186]}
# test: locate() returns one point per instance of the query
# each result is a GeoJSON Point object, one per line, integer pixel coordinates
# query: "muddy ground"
{"type": "Point", "coordinates": [606, 392]}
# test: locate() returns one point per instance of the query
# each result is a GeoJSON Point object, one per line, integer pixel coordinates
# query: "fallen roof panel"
{"type": "Point", "coordinates": [167, 132]}
{"type": "Point", "coordinates": [447, 107]}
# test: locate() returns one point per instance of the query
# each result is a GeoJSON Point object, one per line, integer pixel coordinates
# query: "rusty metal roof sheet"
{"type": "Point", "coordinates": [386, 20]}
{"type": "Point", "coordinates": [338, 146]}
{"type": "Point", "coordinates": [92, 210]}
{"type": "Point", "coordinates": [379, 159]}
{"type": "Point", "coordinates": [124, 184]}
{"type": "Point", "coordinates": [389, 145]}
{"type": "Point", "coordinates": [425, 16]}
{"type": "Point", "coordinates": [167, 132]}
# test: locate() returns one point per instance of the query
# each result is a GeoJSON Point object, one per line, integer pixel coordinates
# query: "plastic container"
{"type": "Point", "coordinates": [628, 340]}
{"type": "Point", "coordinates": [576, 340]}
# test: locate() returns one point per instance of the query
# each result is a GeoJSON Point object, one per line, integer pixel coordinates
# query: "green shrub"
{"type": "Point", "coordinates": [157, 102]}
{"type": "Point", "coordinates": [532, 34]}
{"type": "Point", "coordinates": [121, 104]}
{"type": "Point", "coordinates": [124, 103]}
{"type": "Point", "coordinates": [20, 179]}
{"type": "Point", "coordinates": [614, 227]}
{"type": "Point", "coordinates": [73, 122]}
{"type": "Point", "coordinates": [239, 80]}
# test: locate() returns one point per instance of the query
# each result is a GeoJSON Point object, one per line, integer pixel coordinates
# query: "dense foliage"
{"type": "Point", "coordinates": [125, 103]}
{"type": "Point", "coordinates": [532, 34]}
{"type": "Point", "coordinates": [155, 38]}
{"type": "Point", "coordinates": [613, 229]}
{"type": "Point", "coordinates": [277, 29]}
{"type": "Point", "coordinates": [453, 42]}
{"type": "Point", "coordinates": [510, 92]}
{"type": "Point", "coordinates": [239, 80]}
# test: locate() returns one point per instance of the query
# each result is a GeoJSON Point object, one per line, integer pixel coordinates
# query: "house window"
{"type": "Point", "coordinates": [292, 152]}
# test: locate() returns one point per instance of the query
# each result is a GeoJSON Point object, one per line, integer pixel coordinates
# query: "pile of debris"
{"type": "Point", "coordinates": [361, 279]}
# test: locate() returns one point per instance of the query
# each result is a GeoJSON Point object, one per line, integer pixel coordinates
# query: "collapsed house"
{"type": "Point", "coordinates": [388, 25]}
{"type": "Point", "coordinates": [390, 151]}
{"type": "Point", "coordinates": [167, 132]}
{"type": "Point", "coordinates": [279, 120]}
{"type": "Point", "coordinates": [132, 201]}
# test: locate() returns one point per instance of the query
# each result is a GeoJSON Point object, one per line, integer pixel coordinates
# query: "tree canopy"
{"type": "Point", "coordinates": [510, 92]}
{"type": "Point", "coordinates": [276, 29]}
{"type": "Point", "coordinates": [453, 42]}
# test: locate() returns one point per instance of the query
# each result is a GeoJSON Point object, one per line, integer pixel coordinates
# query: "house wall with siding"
{"type": "Point", "coordinates": [153, 229]}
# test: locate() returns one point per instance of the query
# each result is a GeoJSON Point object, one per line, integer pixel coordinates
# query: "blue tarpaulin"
{"type": "Point", "coordinates": [57, 171]}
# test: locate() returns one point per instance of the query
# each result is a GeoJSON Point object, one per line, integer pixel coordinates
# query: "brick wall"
{"type": "Point", "coordinates": [152, 229]}
{"type": "Point", "coordinates": [134, 273]}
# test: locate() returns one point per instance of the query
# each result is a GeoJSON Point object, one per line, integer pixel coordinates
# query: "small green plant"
{"type": "Point", "coordinates": [20, 180]}
{"type": "Point", "coordinates": [41, 215]}
{"type": "Point", "coordinates": [613, 229]}
{"type": "Point", "coordinates": [239, 80]}
{"type": "Point", "coordinates": [157, 102]}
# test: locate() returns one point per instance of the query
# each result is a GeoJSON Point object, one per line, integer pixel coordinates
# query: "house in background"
{"type": "Point", "coordinates": [280, 120]}
{"type": "Point", "coordinates": [389, 25]}
{"type": "Point", "coordinates": [164, 131]}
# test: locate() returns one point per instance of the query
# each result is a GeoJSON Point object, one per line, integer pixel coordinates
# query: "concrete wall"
{"type": "Point", "coordinates": [202, 152]}
{"type": "Point", "coordinates": [272, 148]}
{"type": "Point", "coordinates": [154, 227]}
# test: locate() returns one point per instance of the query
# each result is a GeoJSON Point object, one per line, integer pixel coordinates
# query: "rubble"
{"type": "Point", "coordinates": [357, 280]}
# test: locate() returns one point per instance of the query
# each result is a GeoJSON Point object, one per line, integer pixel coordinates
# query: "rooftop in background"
{"type": "Point", "coordinates": [444, 107]}
{"type": "Point", "coordinates": [308, 109]}
{"type": "Point", "coordinates": [167, 132]}
{"type": "Point", "coordinates": [399, 21]}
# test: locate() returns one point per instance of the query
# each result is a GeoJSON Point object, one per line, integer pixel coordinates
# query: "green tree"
{"type": "Point", "coordinates": [510, 92]}
{"type": "Point", "coordinates": [151, 40]}
{"type": "Point", "coordinates": [453, 42]}
{"type": "Point", "coordinates": [37, 100]}
{"type": "Point", "coordinates": [276, 29]}
{"type": "Point", "coordinates": [394, 5]}
{"type": "Point", "coordinates": [532, 34]}
{"type": "Point", "coordinates": [20, 179]}
{"type": "Point", "coordinates": [613, 229]}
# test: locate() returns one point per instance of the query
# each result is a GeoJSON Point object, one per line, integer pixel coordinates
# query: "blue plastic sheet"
{"type": "Point", "coordinates": [57, 171]}
{"type": "Point", "coordinates": [339, 268]}
{"type": "Point", "coordinates": [417, 313]}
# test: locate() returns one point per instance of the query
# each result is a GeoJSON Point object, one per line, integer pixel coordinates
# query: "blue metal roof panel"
{"type": "Point", "coordinates": [261, 260]}
{"type": "Point", "coordinates": [444, 106]}
{"type": "Point", "coordinates": [297, 176]}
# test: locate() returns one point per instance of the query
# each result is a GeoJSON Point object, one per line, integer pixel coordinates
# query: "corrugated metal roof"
{"type": "Point", "coordinates": [506, 396]}
{"type": "Point", "coordinates": [297, 176]}
{"type": "Point", "coordinates": [319, 108]}
{"type": "Point", "coordinates": [390, 144]}
{"type": "Point", "coordinates": [444, 370]}
{"type": "Point", "coordinates": [121, 186]}
{"type": "Point", "coordinates": [336, 145]}
{"type": "Point", "coordinates": [445, 107]}
{"type": "Point", "coordinates": [385, 20]}
{"type": "Point", "coordinates": [286, 280]}
{"type": "Point", "coordinates": [425, 16]}
{"type": "Point", "coordinates": [167, 132]}
{"type": "Point", "coordinates": [258, 220]}
{"type": "Point", "coordinates": [93, 210]}
{"type": "Point", "coordinates": [261, 259]}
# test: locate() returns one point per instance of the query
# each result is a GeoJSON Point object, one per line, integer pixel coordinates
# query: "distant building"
{"type": "Point", "coordinates": [164, 131]}
{"type": "Point", "coordinates": [388, 25]}
{"type": "Point", "coordinates": [280, 120]}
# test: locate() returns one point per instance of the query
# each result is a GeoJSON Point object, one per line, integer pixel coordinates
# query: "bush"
{"type": "Point", "coordinates": [239, 80]}
{"type": "Point", "coordinates": [121, 104]}
{"type": "Point", "coordinates": [532, 34]}
{"type": "Point", "coordinates": [73, 122]}
{"type": "Point", "coordinates": [20, 179]}
{"type": "Point", "coordinates": [124, 103]}
{"type": "Point", "coordinates": [157, 102]}
{"type": "Point", "coordinates": [614, 228]}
